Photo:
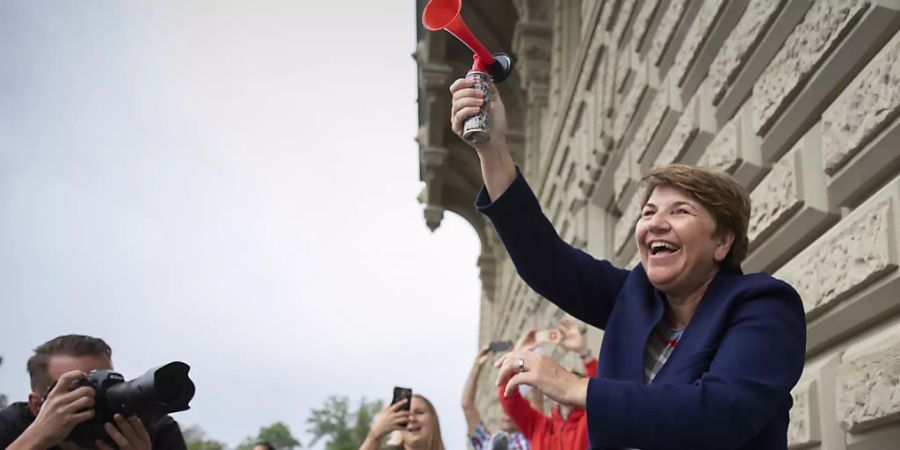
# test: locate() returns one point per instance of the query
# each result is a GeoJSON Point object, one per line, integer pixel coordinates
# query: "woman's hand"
{"type": "Point", "coordinates": [467, 102]}
{"type": "Point", "coordinates": [528, 341]}
{"type": "Point", "coordinates": [573, 340]}
{"type": "Point", "coordinates": [482, 356]}
{"type": "Point", "coordinates": [390, 419]}
{"type": "Point", "coordinates": [543, 373]}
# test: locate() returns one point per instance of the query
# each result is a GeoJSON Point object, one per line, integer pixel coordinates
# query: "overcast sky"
{"type": "Point", "coordinates": [213, 182]}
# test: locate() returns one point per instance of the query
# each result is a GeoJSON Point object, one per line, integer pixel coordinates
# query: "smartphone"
{"type": "Point", "coordinates": [401, 393]}
{"type": "Point", "coordinates": [500, 346]}
{"type": "Point", "coordinates": [548, 336]}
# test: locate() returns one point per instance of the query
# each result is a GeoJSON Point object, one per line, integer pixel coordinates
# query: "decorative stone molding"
{"type": "Point", "coordinates": [433, 216]}
{"type": "Point", "coordinates": [758, 56]}
{"type": "Point", "coordinates": [848, 257]}
{"type": "Point", "coordinates": [868, 390]}
{"type": "Point", "coordinates": [629, 108]}
{"type": "Point", "coordinates": [653, 121]}
{"type": "Point", "coordinates": [700, 29]}
{"type": "Point", "coordinates": [824, 25]}
{"type": "Point", "coordinates": [624, 19]}
{"type": "Point", "coordinates": [723, 152]}
{"type": "Point", "coordinates": [624, 228]}
{"type": "Point", "coordinates": [803, 429]}
{"type": "Point", "coordinates": [870, 103]}
{"type": "Point", "coordinates": [667, 25]}
{"type": "Point", "coordinates": [686, 130]}
{"type": "Point", "coordinates": [775, 199]}
{"type": "Point", "coordinates": [736, 50]}
{"type": "Point", "coordinates": [625, 176]}
{"type": "Point", "coordinates": [790, 207]}
{"type": "Point", "coordinates": [642, 23]}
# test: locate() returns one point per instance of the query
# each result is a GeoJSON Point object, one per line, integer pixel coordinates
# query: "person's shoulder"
{"type": "Point", "coordinates": [14, 419]}
{"type": "Point", "coordinates": [165, 431]}
{"type": "Point", "coordinates": [764, 287]}
{"type": "Point", "coordinates": [765, 284]}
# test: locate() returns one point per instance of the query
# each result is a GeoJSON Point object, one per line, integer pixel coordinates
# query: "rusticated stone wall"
{"type": "Point", "coordinates": [798, 99]}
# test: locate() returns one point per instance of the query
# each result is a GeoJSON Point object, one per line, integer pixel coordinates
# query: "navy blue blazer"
{"type": "Point", "coordinates": [727, 384]}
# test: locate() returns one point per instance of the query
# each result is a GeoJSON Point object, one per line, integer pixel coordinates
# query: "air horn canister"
{"type": "Point", "coordinates": [486, 67]}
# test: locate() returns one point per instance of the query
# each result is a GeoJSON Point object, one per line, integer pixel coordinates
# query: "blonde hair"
{"type": "Point", "coordinates": [725, 199]}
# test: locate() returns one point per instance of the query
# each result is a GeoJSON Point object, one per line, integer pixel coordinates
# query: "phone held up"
{"type": "Point", "coordinates": [401, 393]}
{"type": "Point", "coordinates": [548, 336]}
{"type": "Point", "coordinates": [500, 346]}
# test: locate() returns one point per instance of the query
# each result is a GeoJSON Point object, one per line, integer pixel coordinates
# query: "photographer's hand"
{"type": "Point", "coordinates": [59, 414]}
{"type": "Point", "coordinates": [128, 434]}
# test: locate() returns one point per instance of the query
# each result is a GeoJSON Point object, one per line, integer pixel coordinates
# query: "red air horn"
{"type": "Point", "coordinates": [444, 15]}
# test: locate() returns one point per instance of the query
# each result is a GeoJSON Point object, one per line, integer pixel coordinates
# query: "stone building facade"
{"type": "Point", "coordinates": [798, 99]}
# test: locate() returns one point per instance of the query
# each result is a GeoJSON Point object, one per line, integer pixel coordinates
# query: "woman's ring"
{"type": "Point", "coordinates": [521, 365]}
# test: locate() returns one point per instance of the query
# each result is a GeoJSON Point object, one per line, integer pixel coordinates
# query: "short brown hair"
{"type": "Point", "coordinates": [69, 345]}
{"type": "Point", "coordinates": [725, 199]}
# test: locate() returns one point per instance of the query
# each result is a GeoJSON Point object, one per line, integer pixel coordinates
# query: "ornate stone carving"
{"type": "Point", "coordinates": [848, 257]}
{"type": "Point", "coordinates": [802, 53]}
{"type": "Point", "coordinates": [722, 153]}
{"type": "Point", "coordinates": [803, 429]}
{"type": "Point", "coordinates": [667, 25]}
{"type": "Point", "coordinates": [752, 27]}
{"type": "Point", "coordinates": [685, 130]}
{"type": "Point", "coordinates": [775, 199]}
{"type": "Point", "coordinates": [625, 226]}
{"type": "Point", "coordinates": [433, 217]}
{"type": "Point", "coordinates": [700, 29]}
{"type": "Point", "coordinates": [869, 389]}
{"type": "Point", "coordinates": [870, 103]}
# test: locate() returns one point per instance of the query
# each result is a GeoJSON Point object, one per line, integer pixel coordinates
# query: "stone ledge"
{"type": "Point", "coordinates": [790, 207]}
{"type": "Point", "coordinates": [804, 429]}
{"type": "Point", "coordinates": [868, 168]}
{"type": "Point", "coordinates": [754, 47]}
{"type": "Point", "coordinates": [849, 256]}
{"type": "Point", "coordinates": [811, 42]}
{"type": "Point", "coordinates": [870, 102]}
{"type": "Point", "coordinates": [868, 388]}
{"type": "Point", "coordinates": [735, 150]}
{"type": "Point", "coordinates": [750, 30]}
{"type": "Point", "coordinates": [804, 103]}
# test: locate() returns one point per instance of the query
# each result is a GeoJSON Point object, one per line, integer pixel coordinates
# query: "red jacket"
{"type": "Point", "coordinates": [549, 433]}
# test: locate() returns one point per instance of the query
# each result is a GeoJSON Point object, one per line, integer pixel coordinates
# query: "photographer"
{"type": "Point", "coordinates": [53, 410]}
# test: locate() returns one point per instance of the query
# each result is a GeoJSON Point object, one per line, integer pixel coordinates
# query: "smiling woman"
{"type": "Point", "coordinates": [416, 429]}
{"type": "Point", "coordinates": [686, 360]}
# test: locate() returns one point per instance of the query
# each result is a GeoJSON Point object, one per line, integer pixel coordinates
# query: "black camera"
{"type": "Point", "coordinates": [163, 390]}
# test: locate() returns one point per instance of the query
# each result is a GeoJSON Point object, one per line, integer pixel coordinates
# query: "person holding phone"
{"type": "Point", "coordinates": [566, 426]}
{"type": "Point", "coordinates": [476, 430]}
{"type": "Point", "coordinates": [417, 425]}
{"type": "Point", "coordinates": [687, 360]}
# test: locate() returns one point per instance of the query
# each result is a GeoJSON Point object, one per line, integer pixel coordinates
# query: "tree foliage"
{"type": "Point", "coordinates": [277, 434]}
{"type": "Point", "coordinates": [195, 438]}
{"type": "Point", "coordinates": [344, 429]}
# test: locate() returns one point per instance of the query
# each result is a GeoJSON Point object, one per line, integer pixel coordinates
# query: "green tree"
{"type": "Point", "coordinates": [195, 438]}
{"type": "Point", "coordinates": [277, 434]}
{"type": "Point", "coordinates": [343, 428]}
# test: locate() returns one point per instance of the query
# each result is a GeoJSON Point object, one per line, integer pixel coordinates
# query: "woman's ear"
{"type": "Point", "coordinates": [723, 246]}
